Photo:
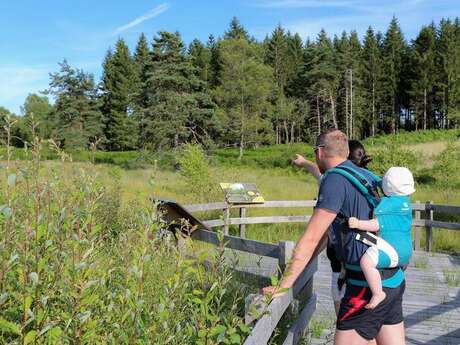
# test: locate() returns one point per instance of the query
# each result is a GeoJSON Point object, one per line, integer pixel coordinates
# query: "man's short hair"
{"type": "Point", "coordinates": [335, 143]}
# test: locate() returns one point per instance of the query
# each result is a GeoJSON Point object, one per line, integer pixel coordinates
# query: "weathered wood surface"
{"type": "Point", "coordinates": [431, 306]}
{"type": "Point", "coordinates": [296, 332]}
{"type": "Point", "coordinates": [237, 243]}
{"type": "Point", "coordinates": [442, 225]}
{"type": "Point", "coordinates": [215, 223]}
{"type": "Point", "coordinates": [417, 218]}
{"type": "Point", "coordinates": [445, 208]}
{"type": "Point", "coordinates": [428, 223]}
{"type": "Point", "coordinates": [307, 203]}
{"type": "Point", "coordinates": [266, 324]}
{"type": "Point", "coordinates": [206, 207]}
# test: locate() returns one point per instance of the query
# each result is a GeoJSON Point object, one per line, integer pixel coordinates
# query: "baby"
{"type": "Point", "coordinates": [393, 218]}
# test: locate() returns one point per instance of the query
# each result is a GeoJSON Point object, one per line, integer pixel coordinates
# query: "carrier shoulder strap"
{"type": "Point", "coordinates": [360, 182]}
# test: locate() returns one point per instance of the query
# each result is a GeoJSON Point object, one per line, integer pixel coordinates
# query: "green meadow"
{"type": "Point", "coordinates": [79, 253]}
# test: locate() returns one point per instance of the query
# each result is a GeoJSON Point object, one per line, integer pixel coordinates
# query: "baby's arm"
{"type": "Point", "coordinates": [312, 168]}
{"type": "Point", "coordinates": [365, 225]}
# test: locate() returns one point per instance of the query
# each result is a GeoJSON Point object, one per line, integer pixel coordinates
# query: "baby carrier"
{"type": "Point", "coordinates": [371, 191]}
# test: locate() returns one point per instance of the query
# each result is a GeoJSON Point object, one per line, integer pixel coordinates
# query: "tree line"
{"type": "Point", "coordinates": [237, 91]}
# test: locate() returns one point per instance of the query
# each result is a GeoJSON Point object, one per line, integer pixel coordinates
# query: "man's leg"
{"type": "Point", "coordinates": [392, 335]}
{"type": "Point", "coordinates": [349, 337]}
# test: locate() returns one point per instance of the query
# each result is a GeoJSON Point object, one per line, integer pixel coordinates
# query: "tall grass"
{"type": "Point", "coordinates": [66, 277]}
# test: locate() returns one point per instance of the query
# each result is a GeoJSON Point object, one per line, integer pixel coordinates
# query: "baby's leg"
{"type": "Point", "coordinates": [368, 264]}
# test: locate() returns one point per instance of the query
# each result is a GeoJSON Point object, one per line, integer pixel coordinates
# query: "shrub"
{"type": "Point", "coordinates": [392, 155]}
{"type": "Point", "coordinates": [63, 280]}
{"type": "Point", "coordinates": [195, 169]}
{"type": "Point", "coordinates": [446, 166]}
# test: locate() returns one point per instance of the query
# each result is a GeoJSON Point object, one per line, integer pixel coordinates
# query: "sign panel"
{"type": "Point", "coordinates": [242, 193]}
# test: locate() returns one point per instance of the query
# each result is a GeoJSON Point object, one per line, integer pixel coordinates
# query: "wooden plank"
{"type": "Point", "coordinates": [205, 207]}
{"type": "Point", "coordinates": [263, 329]}
{"type": "Point", "coordinates": [281, 204]}
{"type": "Point", "coordinates": [303, 203]}
{"type": "Point", "coordinates": [258, 220]}
{"type": "Point", "coordinates": [270, 220]}
{"type": "Point", "coordinates": [226, 219]}
{"type": "Point", "coordinates": [428, 228]}
{"type": "Point", "coordinates": [297, 330]}
{"type": "Point", "coordinates": [418, 206]}
{"type": "Point", "coordinates": [232, 242]}
{"type": "Point", "coordinates": [443, 225]}
{"type": "Point", "coordinates": [417, 227]}
{"type": "Point", "coordinates": [446, 208]}
{"type": "Point", "coordinates": [243, 226]}
{"type": "Point", "coordinates": [418, 222]}
{"type": "Point", "coordinates": [214, 223]}
{"type": "Point", "coordinates": [286, 251]}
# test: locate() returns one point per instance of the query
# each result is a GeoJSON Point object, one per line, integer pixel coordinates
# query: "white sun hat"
{"type": "Point", "coordinates": [398, 181]}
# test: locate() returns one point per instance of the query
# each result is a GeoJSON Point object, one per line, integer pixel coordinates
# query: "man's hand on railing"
{"type": "Point", "coordinates": [273, 291]}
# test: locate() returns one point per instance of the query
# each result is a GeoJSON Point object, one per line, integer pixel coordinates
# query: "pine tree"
{"type": "Point", "coordinates": [236, 31]}
{"type": "Point", "coordinates": [448, 60]}
{"type": "Point", "coordinates": [372, 80]}
{"type": "Point", "coordinates": [244, 92]}
{"type": "Point", "coordinates": [424, 78]}
{"type": "Point", "coordinates": [118, 87]}
{"type": "Point", "coordinates": [354, 75]}
{"type": "Point", "coordinates": [142, 63]}
{"type": "Point", "coordinates": [141, 93]}
{"type": "Point", "coordinates": [201, 59]}
{"type": "Point", "coordinates": [276, 56]}
{"type": "Point", "coordinates": [179, 108]}
{"type": "Point", "coordinates": [296, 64]}
{"type": "Point", "coordinates": [323, 81]}
{"type": "Point", "coordinates": [215, 67]}
{"type": "Point", "coordinates": [394, 51]}
{"type": "Point", "coordinates": [76, 113]}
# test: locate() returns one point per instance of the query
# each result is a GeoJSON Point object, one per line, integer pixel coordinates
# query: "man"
{"type": "Point", "coordinates": [339, 199]}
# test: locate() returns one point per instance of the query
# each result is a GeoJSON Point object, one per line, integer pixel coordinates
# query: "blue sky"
{"type": "Point", "coordinates": [36, 35]}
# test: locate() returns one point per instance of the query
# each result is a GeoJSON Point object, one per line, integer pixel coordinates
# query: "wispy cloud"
{"type": "Point", "coordinates": [359, 14]}
{"type": "Point", "coordinates": [17, 81]}
{"type": "Point", "coordinates": [154, 12]}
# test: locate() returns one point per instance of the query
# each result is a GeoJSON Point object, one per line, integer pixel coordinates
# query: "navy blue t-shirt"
{"type": "Point", "coordinates": [339, 195]}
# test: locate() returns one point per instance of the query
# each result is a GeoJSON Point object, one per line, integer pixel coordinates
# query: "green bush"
{"type": "Point", "coordinates": [196, 171]}
{"type": "Point", "coordinates": [65, 279]}
{"type": "Point", "coordinates": [404, 138]}
{"type": "Point", "coordinates": [392, 155]}
{"type": "Point", "coordinates": [446, 166]}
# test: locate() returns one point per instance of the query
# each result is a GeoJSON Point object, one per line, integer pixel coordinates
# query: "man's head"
{"type": "Point", "coordinates": [331, 149]}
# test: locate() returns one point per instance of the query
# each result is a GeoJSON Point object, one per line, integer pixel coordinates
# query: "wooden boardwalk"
{"type": "Point", "coordinates": [432, 299]}
{"type": "Point", "coordinates": [431, 305]}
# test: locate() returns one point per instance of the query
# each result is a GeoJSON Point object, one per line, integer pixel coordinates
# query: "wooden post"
{"type": "Point", "coordinates": [243, 226]}
{"type": "Point", "coordinates": [286, 251]}
{"type": "Point", "coordinates": [417, 229]}
{"type": "Point", "coordinates": [226, 219]}
{"type": "Point", "coordinates": [428, 228]}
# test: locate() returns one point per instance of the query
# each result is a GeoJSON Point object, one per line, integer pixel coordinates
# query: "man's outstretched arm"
{"type": "Point", "coordinates": [306, 247]}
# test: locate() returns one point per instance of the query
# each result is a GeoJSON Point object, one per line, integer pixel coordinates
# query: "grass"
{"type": "Point", "coordinates": [452, 277]}
{"type": "Point", "coordinates": [137, 185]}
{"type": "Point", "coordinates": [421, 263]}
{"type": "Point", "coordinates": [79, 253]}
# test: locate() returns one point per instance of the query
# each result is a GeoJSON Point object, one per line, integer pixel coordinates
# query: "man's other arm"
{"type": "Point", "coordinates": [306, 247]}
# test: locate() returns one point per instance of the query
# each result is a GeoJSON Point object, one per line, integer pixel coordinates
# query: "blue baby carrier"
{"type": "Point", "coordinates": [371, 190]}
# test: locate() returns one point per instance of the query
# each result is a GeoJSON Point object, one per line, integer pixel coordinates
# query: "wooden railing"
{"type": "Point", "coordinates": [428, 223]}
{"type": "Point", "coordinates": [302, 291]}
{"type": "Point", "coordinates": [270, 314]}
